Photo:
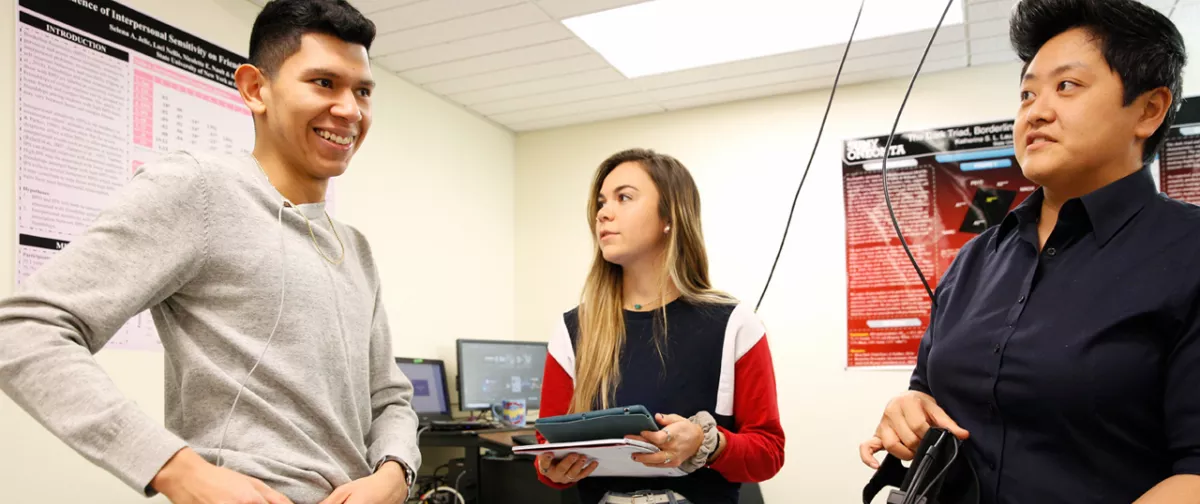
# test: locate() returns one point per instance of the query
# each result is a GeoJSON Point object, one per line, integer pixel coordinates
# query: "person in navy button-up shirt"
{"type": "Point", "coordinates": [1065, 346]}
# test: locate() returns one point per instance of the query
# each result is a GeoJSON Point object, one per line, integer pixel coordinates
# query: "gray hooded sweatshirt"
{"type": "Point", "coordinates": [201, 241]}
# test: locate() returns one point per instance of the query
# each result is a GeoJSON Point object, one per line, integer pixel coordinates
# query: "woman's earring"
{"type": "Point", "coordinates": [667, 229]}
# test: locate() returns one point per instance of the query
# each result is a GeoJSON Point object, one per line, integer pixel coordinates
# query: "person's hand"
{"type": "Point", "coordinates": [567, 470]}
{"type": "Point", "coordinates": [189, 479]}
{"type": "Point", "coordinates": [905, 421]}
{"type": "Point", "coordinates": [677, 441]}
{"type": "Point", "coordinates": [386, 486]}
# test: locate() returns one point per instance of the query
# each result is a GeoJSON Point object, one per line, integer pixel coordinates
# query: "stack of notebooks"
{"type": "Point", "coordinates": [601, 436]}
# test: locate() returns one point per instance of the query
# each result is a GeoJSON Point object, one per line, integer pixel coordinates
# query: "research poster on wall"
{"type": "Point", "coordinates": [101, 90]}
{"type": "Point", "coordinates": [947, 186]}
{"type": "Point", "coordinates": [1179, 163]}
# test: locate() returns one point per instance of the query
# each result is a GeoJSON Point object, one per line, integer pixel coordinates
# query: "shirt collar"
{"type": "Point", "coordinates": [1027, 211]}
{"type": "Point", "coordinates": [1108, 208]}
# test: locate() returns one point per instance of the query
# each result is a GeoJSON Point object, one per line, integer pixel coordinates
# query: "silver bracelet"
{"type": "Point", "coordinates": [708, 424]}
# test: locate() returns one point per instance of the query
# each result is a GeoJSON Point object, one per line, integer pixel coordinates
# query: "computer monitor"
{"type": "Point", "coordinates": [431, 395]}
{"type": "Point", "coordinates": [491, 371]}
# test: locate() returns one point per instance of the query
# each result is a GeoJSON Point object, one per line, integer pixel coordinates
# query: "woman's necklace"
{"type": "Point", "coordinates": [638, 307]}
{"type": "Point", "coordinates": [312, 235]}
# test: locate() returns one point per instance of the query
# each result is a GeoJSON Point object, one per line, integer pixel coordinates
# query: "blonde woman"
{"type": "Point", "coordinates": [651, 330]}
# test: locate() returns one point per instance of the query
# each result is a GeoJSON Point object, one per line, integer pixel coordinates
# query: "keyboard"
{"type": "Point", "coordinates": [459, 425]}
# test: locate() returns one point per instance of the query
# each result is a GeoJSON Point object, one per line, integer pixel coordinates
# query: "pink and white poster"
{"type": "Point", "coordinates": [101, 90]}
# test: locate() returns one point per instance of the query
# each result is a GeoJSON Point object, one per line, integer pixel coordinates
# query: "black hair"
{"type": "Point", "coordinates": [282, 23]}
{"type": "Point", "coordinates": [1140, 44]}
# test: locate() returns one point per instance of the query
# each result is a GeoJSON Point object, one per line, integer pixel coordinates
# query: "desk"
{"type": "Point", "coordinates": [499, 440]}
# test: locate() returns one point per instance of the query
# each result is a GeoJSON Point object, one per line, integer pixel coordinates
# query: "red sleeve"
{"type": "Point", "coordinates": [755, 453]}
{"type": "Point", "coordinates": [557, 390]}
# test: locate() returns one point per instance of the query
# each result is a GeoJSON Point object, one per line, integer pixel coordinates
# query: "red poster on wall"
{"type": "Point", "coordinates": [1179, 164]}
{"type": "Point", "coordinates": [947, 186]}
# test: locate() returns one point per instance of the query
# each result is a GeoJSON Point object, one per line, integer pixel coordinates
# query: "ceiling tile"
{"type": "Point", "coordinates": [994, 57]}
{"type": "Point", "coordinates": [530, 88]}
{"type": "Point", "coordinates": [905, 71]}
{"type": "Point", "coordinates": [427, 12]}
{"type": "Point", "coordinates": [563, 9]}
{"type": "Point", "coordinates": [498, 61]}
{"type": "Point", "coordinates": [601, 115]}
{"type": "Point", "coordinates": [518, 74]}
{"type": "Point", "coordinates": [991, 44]}
{"type": "Point", "coordinates": [906, 58]}
{"type": "Point", "coordinates": [558, 97]}
{"type": "Point", "coordinates": [459, 28]}
{"type": "Point", "coordinates": [739, 68]}
{"type": "Point", "coordinates": [990, 28]}
{"type": "Point", "coordinates": [371, 6]}
{"type": "Point", "coordinates": [575, 108]}
{"type": "Point", "coordinates": [822, 72]}
{"type": "Point", "coordinates": [984, 11]}
{"type": "Point", "coordinates": [477, 46]}
{"type": "Point", "coordinates": [744, 94]}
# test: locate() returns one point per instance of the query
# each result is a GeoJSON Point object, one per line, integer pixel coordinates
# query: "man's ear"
{"type": "Point", "coordinates": [1154, 106]}
{"type": "Point", "coordinates": [252, 85]}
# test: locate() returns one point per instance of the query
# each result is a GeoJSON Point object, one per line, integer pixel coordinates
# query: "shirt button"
{"type": "Point", "coordinates": [996, 349]}
{"type": "Point", "coordinates": [992, 466]}
{"type": "Point", "coordinates": [1021, 300]}
{"type": "Point", "coordinates": [1051, 251]}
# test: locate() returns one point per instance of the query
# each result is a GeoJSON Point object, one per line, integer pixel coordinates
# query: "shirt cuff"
{"type": "Point", "coordinates": [1187, 465]}
{"type": "Point", "coordinates": [919, 387]}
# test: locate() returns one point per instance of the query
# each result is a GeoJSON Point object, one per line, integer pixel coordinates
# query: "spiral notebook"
{"type": "Point", "coordinates": [614, 457]}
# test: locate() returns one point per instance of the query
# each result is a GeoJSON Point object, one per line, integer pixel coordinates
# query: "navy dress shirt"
{"type": "Point", "coordinates": [1076, 370]}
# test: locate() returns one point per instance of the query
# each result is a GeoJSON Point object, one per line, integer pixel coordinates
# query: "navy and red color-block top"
{"type": "Point", "coordinates": [717, 360]}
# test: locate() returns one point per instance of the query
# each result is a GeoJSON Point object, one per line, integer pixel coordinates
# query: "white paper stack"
{"type": "Point", "coordinates": [613, 455]}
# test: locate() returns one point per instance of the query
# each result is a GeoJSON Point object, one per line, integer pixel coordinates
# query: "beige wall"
{"type": "Point", "coordinates": [432, 189]}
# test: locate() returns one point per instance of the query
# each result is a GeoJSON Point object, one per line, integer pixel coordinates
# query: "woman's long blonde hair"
{"type": "Point", "coordinates": [601, 309]}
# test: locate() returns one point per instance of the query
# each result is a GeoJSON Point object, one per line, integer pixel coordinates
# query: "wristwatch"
{"type": "Point", "coordinates": [409, 476]}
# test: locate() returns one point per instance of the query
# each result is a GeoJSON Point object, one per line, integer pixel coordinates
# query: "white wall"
{"type": "Point", "coordinates": [432, 189]}
{"type": "Point", "coordinates": [747, 158]}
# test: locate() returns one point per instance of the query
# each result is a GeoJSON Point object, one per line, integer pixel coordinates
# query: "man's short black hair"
{"type": "Point", "coordinates": [1139, 43]}
{"type": "Point", "coordinates": [282, 23]}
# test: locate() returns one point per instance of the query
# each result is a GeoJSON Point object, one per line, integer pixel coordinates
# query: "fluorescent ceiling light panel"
{"type": "Point", "coordinates": [663, 36]}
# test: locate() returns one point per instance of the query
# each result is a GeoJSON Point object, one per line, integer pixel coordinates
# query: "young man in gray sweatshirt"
{"type": "Point", "coordinates": [261, 301]}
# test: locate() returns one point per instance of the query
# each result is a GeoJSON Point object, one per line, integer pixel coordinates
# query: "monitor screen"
{"type": "Point", "coordinates": [493, 371]}
{"type": "Point", "coordinates": [428, 378]}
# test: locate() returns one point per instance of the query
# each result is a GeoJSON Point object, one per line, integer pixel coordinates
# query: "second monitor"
{"type": "Point", "coordinates": [491, 371]}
